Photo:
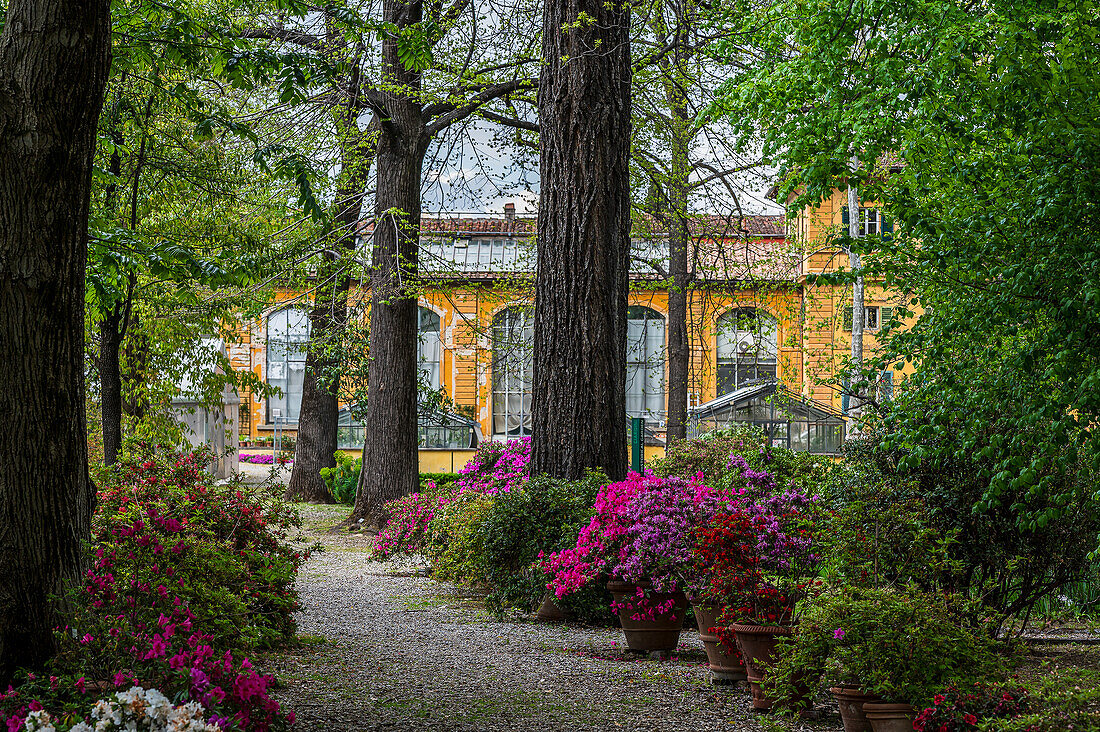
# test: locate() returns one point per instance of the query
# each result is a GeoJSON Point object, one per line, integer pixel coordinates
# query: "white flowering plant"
{"type": "Point", "coordinates": [135, 710]}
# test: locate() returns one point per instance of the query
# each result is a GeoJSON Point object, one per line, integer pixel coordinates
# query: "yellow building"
{"type": "Point", "coordinates": [765, 345]}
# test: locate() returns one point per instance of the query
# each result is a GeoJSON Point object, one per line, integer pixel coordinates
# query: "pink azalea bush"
{"type": "Point", "coordinates": [184, 576]}
{"type": "Point", "coordinates": [642, 531]}
{"type": "Point", "coordinates": [264, 459]}
{"type": "Point", "coordinates": [497, 467]}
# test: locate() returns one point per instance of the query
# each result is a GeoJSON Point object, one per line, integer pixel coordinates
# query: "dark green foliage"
{"type": "Point", "coordinates": [543, 517]}
{"type": "Point", "coordinates": [976, 128]}
{"type": "Point", "coordinates": [901, 520]}
{"type": "Point", "coordinates": [442, 481]}
{"type": "Point", "coordinates": [710, 454]}
{"type": "Point", "coordinates": [901, 644]}
{"type": "Point", "coordinates": [342, 480]}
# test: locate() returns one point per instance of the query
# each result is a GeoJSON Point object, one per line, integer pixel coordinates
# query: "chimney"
{"type": "Point", "coordinates": [509, 212]}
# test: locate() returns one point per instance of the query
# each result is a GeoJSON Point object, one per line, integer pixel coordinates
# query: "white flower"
{"type": "Point", "coordinates": [82, 727]}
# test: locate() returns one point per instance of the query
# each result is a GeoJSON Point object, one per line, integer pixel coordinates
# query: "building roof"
{"type": "Point", "coordinates": [700, 225]}
{"type": "Point", "coordinates": [723, 249]}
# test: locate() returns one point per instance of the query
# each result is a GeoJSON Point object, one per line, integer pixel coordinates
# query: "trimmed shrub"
{"type": "Point", "coordinates": [545, 516]}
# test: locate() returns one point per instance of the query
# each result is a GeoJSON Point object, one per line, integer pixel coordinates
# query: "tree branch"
{"type": "Point", "coordinates": [448, 113]}
{"type": "Point", "coordinates": [286, 35]}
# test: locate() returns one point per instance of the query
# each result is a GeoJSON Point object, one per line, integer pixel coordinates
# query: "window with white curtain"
{"type": "Point", "coordinates": [747, 346]}
{"type": "Point", "coordinates": [513, 342]}
{"type": "Point", "coordinates": [645, 363]}
{"type": "Point", "coordinates": [287, 338]}
{"type": "Point", "coordinates": [430, 348]}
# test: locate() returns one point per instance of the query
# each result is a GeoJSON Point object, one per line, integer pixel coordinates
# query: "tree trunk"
{"type": "Point", "coordinates": [316, 443]}
{"type": "Point", "coordinates": [53, 70]}
{"type": "Point", "coordinates": [390, 457]}
{"type": "Point", "coordinates": [856, 398]}
{"type": "Point", "coordinates": [318, 428]}
{"type": "Point", "coordinates": [679, 351]}
{"type": "Point", "coordinates": [110, 385]}
{"type": "Point", "coordinates": [579, 395]}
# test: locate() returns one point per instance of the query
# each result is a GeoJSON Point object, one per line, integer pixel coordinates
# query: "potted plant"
{"type": "Point", "coordinates": [640, 540]}
{"type": "Point", "coordinates": [760, 557]}
{"type": "Point", "coordinates": [883, 651]}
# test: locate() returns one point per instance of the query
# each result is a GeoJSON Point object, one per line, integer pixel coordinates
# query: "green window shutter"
{"type": "Point", "coordinates": [847, 314]}
{"type": "Point", "coordinates": [886, 314]}
{"type": "Point", "coordinates": [844, 215]}
{"type": "Point", "coordinates": [845, 387]}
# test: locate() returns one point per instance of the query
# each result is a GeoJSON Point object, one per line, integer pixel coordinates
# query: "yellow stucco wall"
{"type": "Point", "coordinates": [811, 337]}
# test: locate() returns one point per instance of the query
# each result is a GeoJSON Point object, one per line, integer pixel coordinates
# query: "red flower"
{"type": "Point", "coordinates": [971, 720]}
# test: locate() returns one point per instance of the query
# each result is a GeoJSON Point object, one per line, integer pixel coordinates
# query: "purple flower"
{"type": "Point", "coordinates": [839, 634]}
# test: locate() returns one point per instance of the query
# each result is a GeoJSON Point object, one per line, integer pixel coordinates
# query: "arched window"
{"type": "Point", "coordinates": [513, 341]}
{"type": "Point", "coordinates": [645, 363]}
{"type": "Point", "coordinates": [747, 348]}
{"type": "Point", "coordinates": [430, 348]}
{"type": "Point", "coordinates": [287, 336]}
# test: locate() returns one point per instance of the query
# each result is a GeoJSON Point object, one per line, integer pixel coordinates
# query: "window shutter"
{"type": "Point", "coordinates": [886, 314]}
{"type": "Point", "coordinates": [844, 215]}
{"type": "Point", "coordinates": [847, 315]}
{"type": "Point", "coordinates": [845, 385]}
{"type": "Point", "coordinates": [887, 227]}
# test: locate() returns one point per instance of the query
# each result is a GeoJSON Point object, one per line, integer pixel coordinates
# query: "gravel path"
{"type": "Point", "coordinates": [389, 650]}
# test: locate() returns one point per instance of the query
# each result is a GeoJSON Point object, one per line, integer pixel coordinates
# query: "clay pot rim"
{"type": "Point", "coordinates": [771, 629]}
{"type": "Point", "coordinates": [853, 690]}
{"type": "Point", "coordinates": [887, 707]}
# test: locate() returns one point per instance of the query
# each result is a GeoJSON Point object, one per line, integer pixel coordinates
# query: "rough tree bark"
{"type": "Point", "coordinates": [679, 345]}
{"type": "Point", "coordinates": [316, 443]}
{"type": "Point", "coordinates": [856, 399]}
{"type": "Point", "coordinates": [53, 70]}
{"type": "Point", "coordinates": [390, 458]}
{"type": "Point", "coordinates": [110, 385]}
{"type": "Point", "coordinates": [579, 397]}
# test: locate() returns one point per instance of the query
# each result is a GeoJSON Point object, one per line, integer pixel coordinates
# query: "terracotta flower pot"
{"type": "Point", "coordinates": [549, 611]}
{"type": "Point", "coordinates": [725, 668]}
{"type": "Point", "coordinates": [851, 701]}
{"type": "Point", "coordinates": [647, 631]}
{"type": "Point", "coordinates": [890, 717]}
{"type": "Point", "coordinates": [757, 644]}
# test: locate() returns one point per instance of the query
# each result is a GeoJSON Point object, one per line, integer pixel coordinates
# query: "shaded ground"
{"type": "Point", "coordinates": [389, 650]}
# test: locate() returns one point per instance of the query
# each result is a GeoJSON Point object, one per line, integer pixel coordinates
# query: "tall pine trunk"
{"type": "Point", "coordinates": [318, 420]}
{"type": "Point", "coordinates": [579, 395]}
{"type": "Point", "coordinates": [317, 443]}
{"type": "Point", "coordinates": [679, 346]}
{"type": "Point", "coordinates": [856, 400]}
{"type": "Point", "coordinates": [110, 384]}
{"type": "Point", "coordinates": [390, 455]}
{"type": "Point", "coordinates": [53, 70]}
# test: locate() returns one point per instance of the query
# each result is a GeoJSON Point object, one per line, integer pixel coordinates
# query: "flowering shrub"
{"type": "Point", "coordinates": [265, 458]}
{"type": "Point", "coordinates": [181, 567]}
{"type": "Point", "coordinates": [161, 526]}
{"type": "Point", "coordinates": [138, 709]}
{"type": "Point", "coordinates": [903, 645]}
{"type": "Point", "coordinates": [707, 459]}
{"type": "Point", "coordinates": [497, 467]}
{"type": "Point", "coordinates": [524, 524]}
{"type": "Point", "coordinates": [406, 529]}
{"type": "Point", "coordinates": [456, 544]}
{"type": "Point", "coordinates": [955, 710]}
{"type": "Point", "coordinates": [757, 557]}
{"type": "Point", "coordinates": [641, 531]}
